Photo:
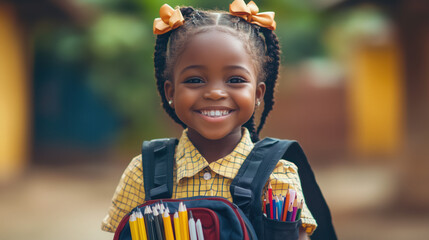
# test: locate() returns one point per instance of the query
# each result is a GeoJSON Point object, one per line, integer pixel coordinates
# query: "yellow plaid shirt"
{"type": "Point", "coordinates": [189, 180]}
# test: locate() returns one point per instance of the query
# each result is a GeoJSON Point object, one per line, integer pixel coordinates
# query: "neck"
{"type": "Point", "coordinates": [213, 150]}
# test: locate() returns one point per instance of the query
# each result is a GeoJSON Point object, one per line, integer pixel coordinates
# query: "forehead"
{"type": "Point", "coordinates": [214, 48]}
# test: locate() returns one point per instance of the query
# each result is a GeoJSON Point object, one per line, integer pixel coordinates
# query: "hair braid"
{"type": "Point", "coordinates": [160, 63]}
{"type": "Point", "coordinates": [250, 125]}
{"type": "Point", "coordinates": [272, 70]}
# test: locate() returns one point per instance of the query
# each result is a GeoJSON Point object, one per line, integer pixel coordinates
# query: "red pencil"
{"type": "Point", "coordinates": [270, 199]}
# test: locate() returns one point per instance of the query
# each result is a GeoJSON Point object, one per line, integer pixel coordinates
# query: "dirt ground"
{"type": "Point", "coordinates": [70, 202]}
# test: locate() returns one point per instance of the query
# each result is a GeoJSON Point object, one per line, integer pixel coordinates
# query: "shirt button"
{"type": "Point", "coordinates": [207, 176]}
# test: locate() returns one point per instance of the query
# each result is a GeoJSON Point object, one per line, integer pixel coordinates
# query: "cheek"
{"type": "Point", "coordinates": [246, 100]}
{"type": "Point", "coordinates": [183, 101]}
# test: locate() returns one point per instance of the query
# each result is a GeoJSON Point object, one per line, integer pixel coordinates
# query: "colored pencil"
{"type": "Point", "coordinates": [134, 227]}
{"type": "Point", "coordinates": [285, 205]}
{"type": "Point", "coordinates": [274, 211]}
{"type": "Point", "coordinates": [270, 199]}
{"type": "Point", "coordinates": [187, 220]}
{"type": "Point", "coordinates": [199, 230]}
{"type": "Point", "coordinates": [177, 229]}
{"type": "Point", "coordinates": [157, 224]}
{"type": "Point", "coordinates": [160, 221]}
{"type": "Point", "coordinates": [298, 214]}
{"type": "Point", "coordinates": [292, 196]}
{"type": "Point", "coordinates": [294, 209]}
{"type": "Point", "coordinates": [141, 223]}
{"type": "Point", "coordinates": [184, 229]}
{"type": "Point", "coordinates": [192, 227]}
{"type": "Point", "coordinates": [168, 229]}
{"type": "Point", "coordinates": [150, 228]}
{"type": "Point", "coordinates": [268, 210]}
{"type": "Point", "coordinates": [289, 213]}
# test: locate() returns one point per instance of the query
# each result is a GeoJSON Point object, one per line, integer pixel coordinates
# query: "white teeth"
{"type": "Point", "coordinates": [215, 113]}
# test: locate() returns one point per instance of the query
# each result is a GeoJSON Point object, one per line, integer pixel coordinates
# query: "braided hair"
{"type": "Point", "coordinates": [259, 42]}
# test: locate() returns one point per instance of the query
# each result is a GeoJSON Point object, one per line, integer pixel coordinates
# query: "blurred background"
{"type": "Point", "coordinates": [78, 96]}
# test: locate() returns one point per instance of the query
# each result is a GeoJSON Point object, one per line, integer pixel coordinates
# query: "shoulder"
{"type": "Point", "coordinates": [285, 172]}
{"type": "Point", "coordinates": [284, 166]}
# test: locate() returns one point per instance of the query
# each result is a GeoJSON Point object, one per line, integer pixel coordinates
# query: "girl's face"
{"type": "Point", "coordinates": [214, 88]}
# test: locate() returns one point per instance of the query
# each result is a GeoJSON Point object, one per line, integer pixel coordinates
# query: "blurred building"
{"type": "Point", "coordinates": [389, 93]}
{"type": "Point", "coordinates": [17, 21]}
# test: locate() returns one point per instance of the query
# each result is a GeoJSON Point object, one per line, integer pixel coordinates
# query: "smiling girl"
{"type": "Point", "coordinates": [213, 70]}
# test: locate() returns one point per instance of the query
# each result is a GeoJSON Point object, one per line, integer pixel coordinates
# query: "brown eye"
{"type": "Point", "coordinates": [237, 80]}
{"type": "Point", "coordinates": [193, 80]}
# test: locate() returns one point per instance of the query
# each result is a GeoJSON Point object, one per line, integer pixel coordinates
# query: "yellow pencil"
{"type": "Point", "coordinates": [141, 224]}
{"type": "Point", "coordinates": [177, 226]}
{"type": "Point", "coordinates": [187, 221]}
{"type": "Point", "coordinates": [184, 229]}
{"type": "Point", "coordinates": [134, 227]}
{"type": "Point", "coordinates": [167, 226]}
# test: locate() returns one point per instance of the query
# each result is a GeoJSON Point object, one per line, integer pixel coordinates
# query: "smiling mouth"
{"type": "Point", "coordinates": [215, 113]}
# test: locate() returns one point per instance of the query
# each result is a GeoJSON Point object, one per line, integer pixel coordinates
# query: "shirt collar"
{"type": "Point", "coordinates": [189, 161]}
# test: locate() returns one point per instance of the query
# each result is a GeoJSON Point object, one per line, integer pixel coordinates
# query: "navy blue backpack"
{"type": "Point", "coordinates": [242, 219]}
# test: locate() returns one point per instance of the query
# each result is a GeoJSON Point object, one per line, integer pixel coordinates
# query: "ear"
{"type": "Point", "coordinates": [169, 92]}
{"type": "Point", "coordinates": [260, 91]}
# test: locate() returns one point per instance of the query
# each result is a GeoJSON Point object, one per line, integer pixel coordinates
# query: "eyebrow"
{"type": "Point", "coordinates": [192, 67]}
{"type": "Point", "coordinates": [238, 67]}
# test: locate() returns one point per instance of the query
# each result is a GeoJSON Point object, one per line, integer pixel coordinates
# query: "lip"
{"type": "Point", "coordinates": [208, 108]}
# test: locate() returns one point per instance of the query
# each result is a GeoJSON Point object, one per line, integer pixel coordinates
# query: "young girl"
{"type": "Point", "coordinates": [213, 70]}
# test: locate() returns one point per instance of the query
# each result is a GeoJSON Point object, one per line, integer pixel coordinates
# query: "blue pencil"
{"type": "Point", "coordinates": [289, 213]}
{"type": "Point", "coordinates": [284, 209]}
{"type": "Point", "coordinates": [274, 210]}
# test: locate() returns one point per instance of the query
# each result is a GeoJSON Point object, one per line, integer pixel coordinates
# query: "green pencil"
{"type": "Point", "coordinates": [298, 213]}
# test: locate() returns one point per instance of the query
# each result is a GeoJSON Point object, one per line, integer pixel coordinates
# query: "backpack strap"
{"type": "Point", "coordinates": [313, 195]}
{"type": "Point", "coordinates": [158, 162]}
{"type": "Point", "coordinates": [246, 188]}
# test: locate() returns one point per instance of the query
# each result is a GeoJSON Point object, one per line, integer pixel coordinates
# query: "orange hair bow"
{"type": "Point", "coordinates": [250, 13]}
{"type": "Point", "coordinates": [169, 19]}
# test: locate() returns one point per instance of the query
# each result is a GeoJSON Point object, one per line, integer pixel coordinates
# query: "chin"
{"type": "Point", "coordinates": [214, 135]}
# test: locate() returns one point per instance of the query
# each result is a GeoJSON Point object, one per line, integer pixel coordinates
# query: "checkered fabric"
{"type": "Point", "coordinates": [194, 176]}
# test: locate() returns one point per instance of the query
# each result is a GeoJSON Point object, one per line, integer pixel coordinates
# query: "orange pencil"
{"type": "Point", "coordinates": [286, 205]}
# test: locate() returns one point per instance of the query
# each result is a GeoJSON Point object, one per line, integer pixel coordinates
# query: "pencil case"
{"type": "Point", "coordinates": [220, 218]}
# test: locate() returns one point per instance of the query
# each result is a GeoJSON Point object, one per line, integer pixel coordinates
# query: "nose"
{"type": "Point", "coordinates": [215, 94]}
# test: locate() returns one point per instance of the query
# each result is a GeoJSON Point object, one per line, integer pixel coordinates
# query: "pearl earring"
{"type": "Point", "coordinates": [258, 103]}
{"type": "Point", "coordinates": [170, 102]}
